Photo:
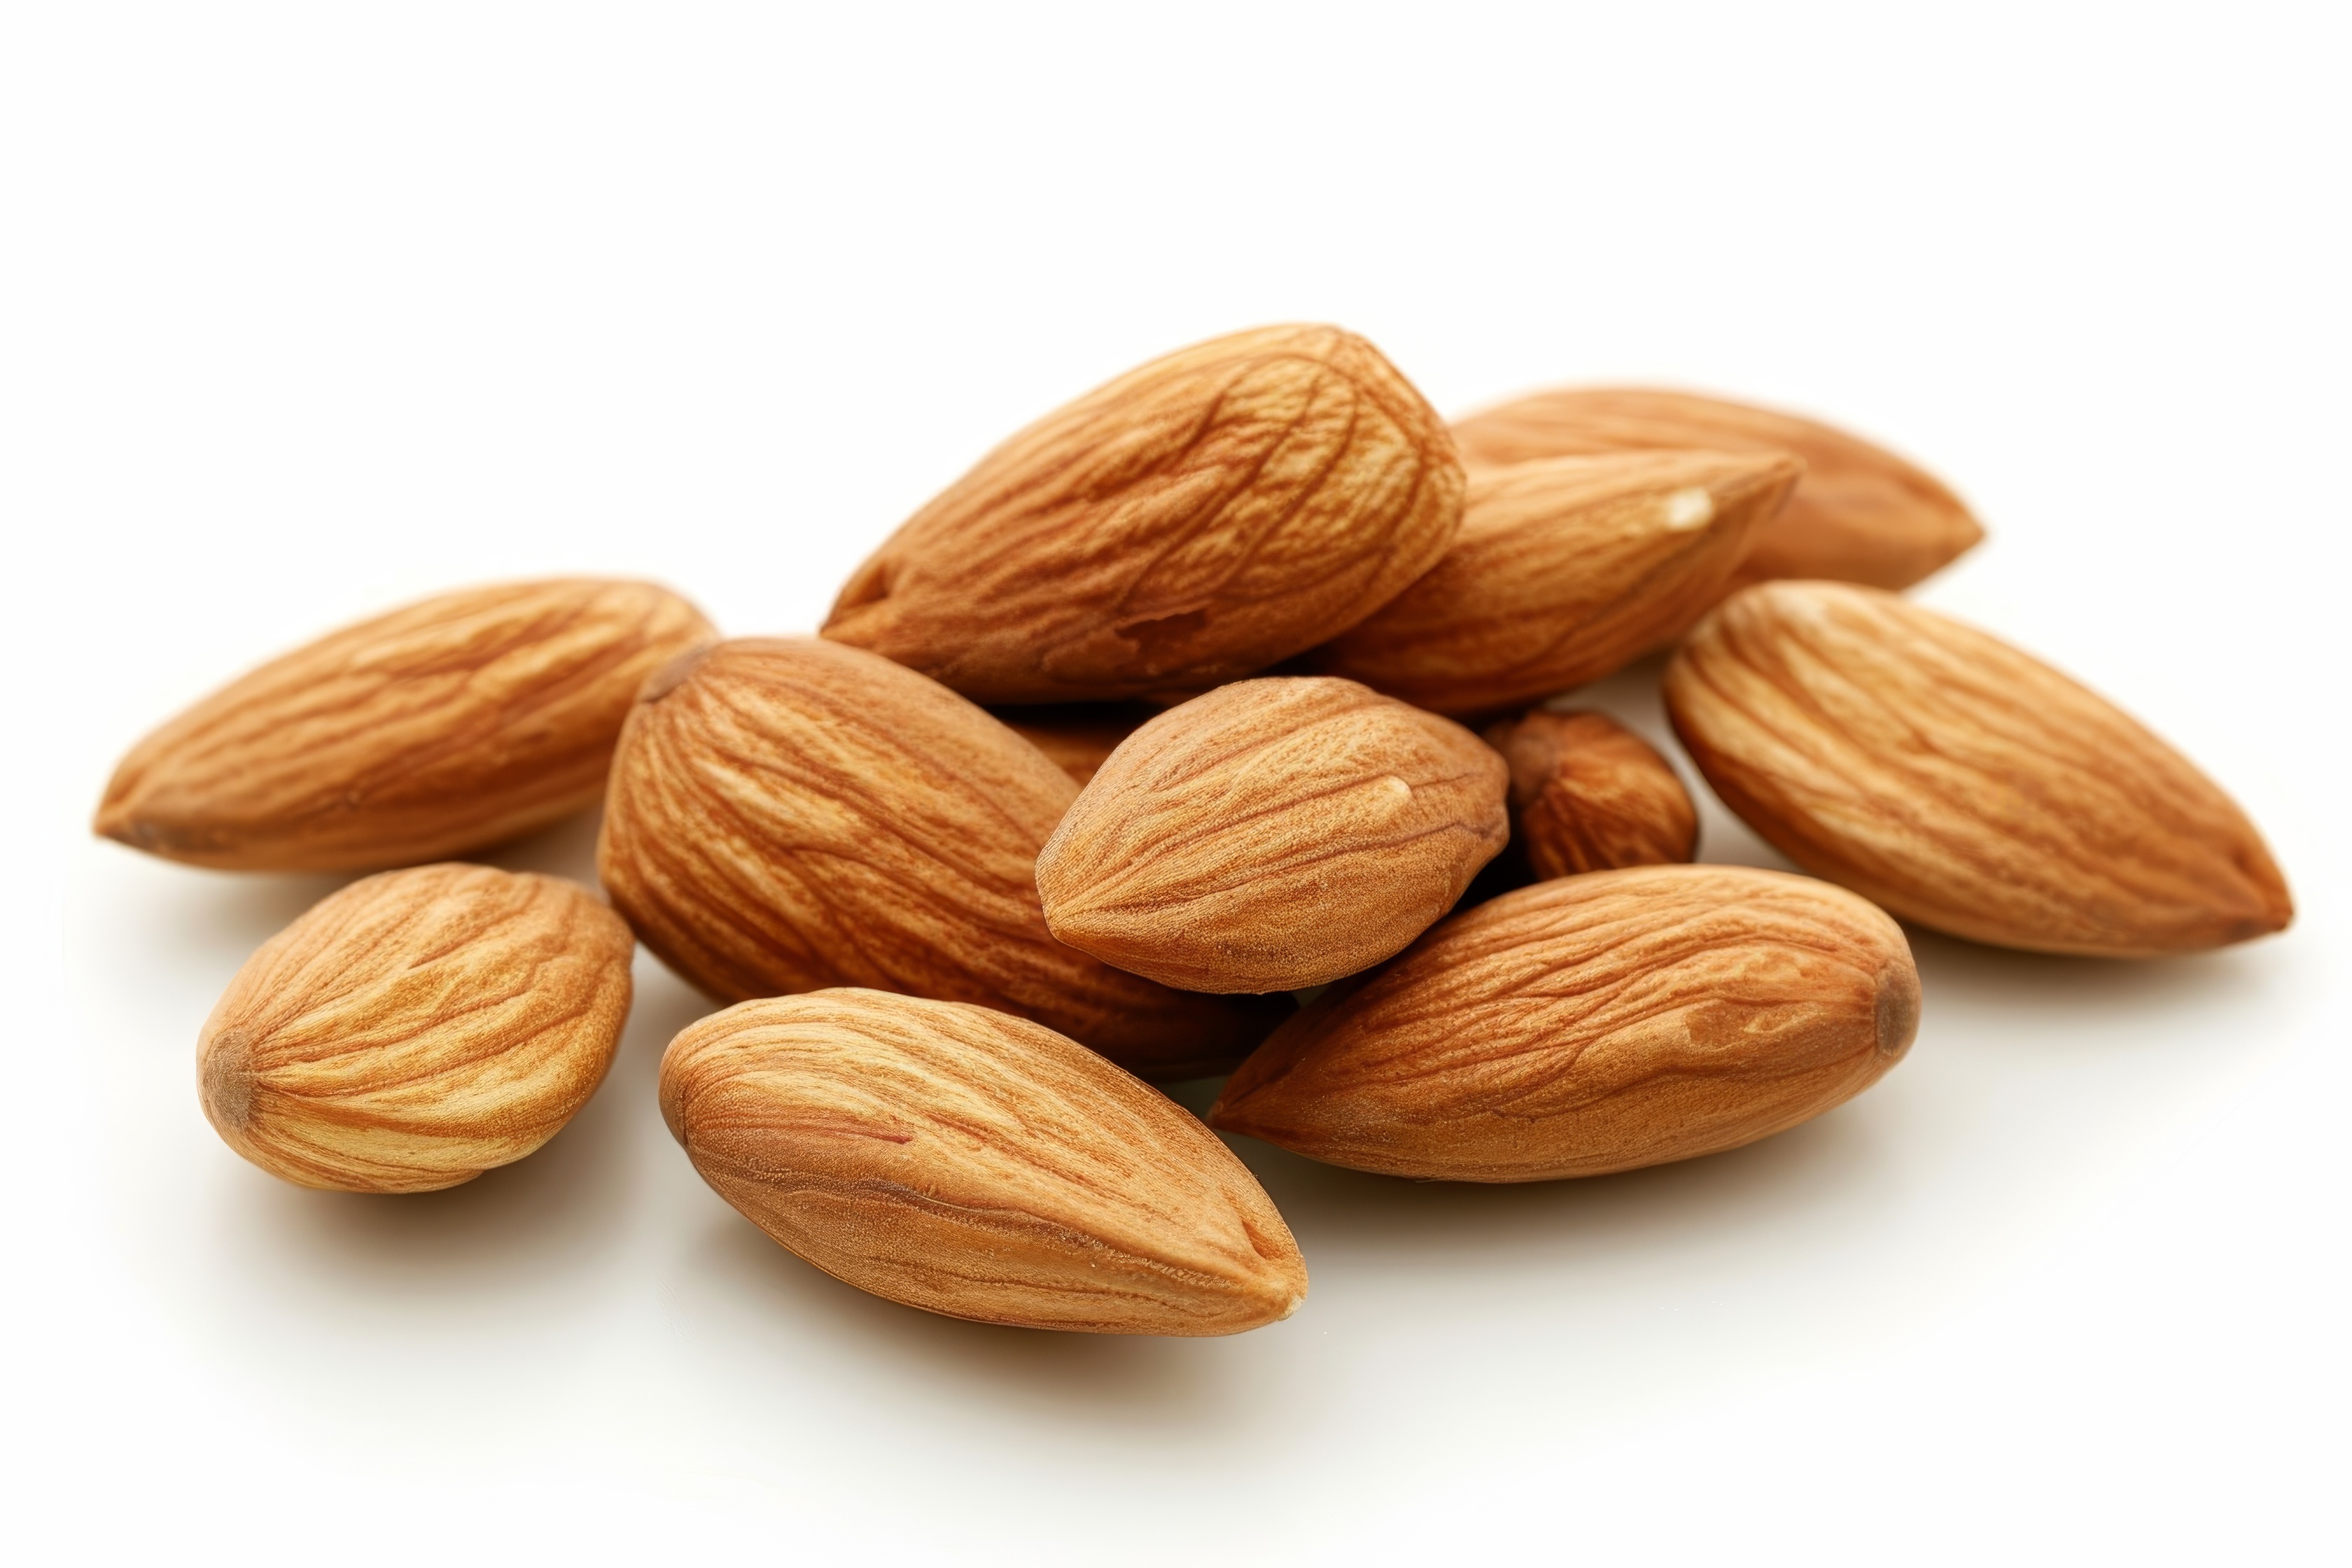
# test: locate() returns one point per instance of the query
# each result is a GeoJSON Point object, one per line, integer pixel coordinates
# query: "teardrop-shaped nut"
{"type": "Point", "coordinates": [789, 813]}
{"type": "Point", "coordinates": [1566, 569]}
{"type": "Point", "coordinates": [1960, 782]}
{"type": "Point", "coordinates": [1588, 795]}
{"type": "Point", "coordinates": [454, 724]}
{"type": "Point", "coordinates": [417, 1028]}
{"type": "Point", "coordinates": [1589, 1025]}
{"type": "Point", "coordinates": [1861, 514]}
{"type": "Point", "coordinates": [1201, 517]}
{"type": "Point", "coordinates": [1273, 834]}
{"type": "Point", "coordinates": [971, 1164]}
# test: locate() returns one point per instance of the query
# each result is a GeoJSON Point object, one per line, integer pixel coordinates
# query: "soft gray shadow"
{"type": "Point", "coordinates": [2045, 1001]}
{"type": "Point", "coordinates": [568, 848]}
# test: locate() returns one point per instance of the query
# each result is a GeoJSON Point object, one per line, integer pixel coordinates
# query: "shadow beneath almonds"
{"type": "Point", "coordinates": [568, 848]}
{"type": "Point", "coordinates": [1999, 998]}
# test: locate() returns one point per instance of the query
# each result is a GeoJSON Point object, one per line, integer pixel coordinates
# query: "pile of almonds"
{"type": "Point", "coordinates": [1151, 728]}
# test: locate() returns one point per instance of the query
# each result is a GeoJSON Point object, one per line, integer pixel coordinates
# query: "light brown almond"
{"type": "Point", "coordinates": [1860, 513]}
{"type": "Point", "coordinates": [1201, 517]}
{"type": "Point", "coordinates": [1273, 834]}
{"type": "Point", "coordinates": [1566, 569]}
{"type": "Point", "coordinates": [790, 813]}
{"type": "Point", "coordinates": [454, 724]}
{"type": "Point", "coordinates": [1078, 736]}
{"type": "Point", "coordinates": [417, 1028]}
{"type": "Point", "coordinates": [1960, 782]}
{"type": "Point", "coordinates": [1588, 795]}
{"type": "Point", "coordinates": [967, 1162]}
{"type": "Point", "coordinates": [1589, 1025]}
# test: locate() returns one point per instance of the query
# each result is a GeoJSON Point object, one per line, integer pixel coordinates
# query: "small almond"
{"type": "Point", "coordinates": [1960, 782]}
{"type": "Point", "coordinates": [417, 1028]}
{"type": "Point", "coordinates": [1273, 834]}
{"type": "Point", "coordinates": [979, 1165]}
{"type": "Point", "coordinates": [1589, 1025]}
{"type": "Point", "coordinates": [1588, 795]}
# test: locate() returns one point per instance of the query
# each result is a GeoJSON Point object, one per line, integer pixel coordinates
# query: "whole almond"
{"type": "Point", "coordinates": [1588, 795]}
{"type": "Point", "coordinates": [1565, 570]}
{"type": "Point", "coordinates": [790, 813]}
{"type": "Point", "coordinates": [1960, 782]}
{"type": "Point", "coordinates": [451, 725]}
{"type": "Point", "coordinates": [1860, 513]}
{"type": "Point", "coordinates": [967, 1163]}
{"type": "Point", "coordinates": [1078, 737]}
{"type": "Point", "coordinates": [417, 1028]}
{"type": "Point", "coordinates": [1589, 1025]}
{"type": "Point", "coordinates": [1198, 518]}
{"type": "Point", "coordinates": [1273, 834]}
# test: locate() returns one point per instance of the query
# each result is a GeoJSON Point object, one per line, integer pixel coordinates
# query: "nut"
{"type": "Point", "coordinates": [456, 723]}
{"type": "Point", "coordinates": [1078, 736]}
{"type": "Point", "coordinates": [967, 1163]}
{"type": "Point", "coordinates": [1272, 835]}
{"type": "Point", "coordinates": [417, 1028]}
{"type": "Point", "coordinates": [1565, 570]}
{"type": "Point", "coordinates": [791, 813]}
{"type": "Point", "coordinates": [1588, 795]}
{"type": "Point", "coordinates": [1860, 513]}
{"type": "Point", "coordinates": [1590, 1025]}
{"type": "Point", "coordinates": [1960, 782]}
{"type": "Point", "coordinates": [1198, 518]}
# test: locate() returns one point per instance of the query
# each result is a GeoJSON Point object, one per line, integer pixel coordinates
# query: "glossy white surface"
{"type": "Point", "coordinates": [303, 315]}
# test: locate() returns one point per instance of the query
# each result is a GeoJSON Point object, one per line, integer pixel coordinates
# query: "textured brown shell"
{"type": "Point", "coordinates": [1566, 569]}
{"type": "Point", "coordinates": [1273, 834]}
{"type": "Point", "coordinates": [975, 1165]}
{"type": "Point", "coordinates": [791, 813]}
{"type": "Point", "coordinates": [443, 728]}
{"type": "Point", "coordinates": [1960, 782]}
{"type": "Point", "coordinates": [1201, 517]}
{"type": "Point", "coordinates": [1588, 795]}
{"type": "Point", "coordinates": [417, 1028]}
{"type": "Point", "coordinates": [1861, 514]}
{"type": "Point", "coordinates": [1590, 1025]}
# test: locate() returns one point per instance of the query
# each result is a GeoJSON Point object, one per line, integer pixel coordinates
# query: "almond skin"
{"type": "Point", "coordinates": [1861, 514]}
{"type": "Point", "coordinates": [1203, 517]}
{"type": "Point", "coordinates": [1588, 795]}
{"type": "Point", "coordinates": [1078, 737]}
{"type": "Point", "coordinates": [1960, 782]}
{"type": "Point", "coordinates": [1565, 570]}
{"type": "Point", "coordinates": [979, 1165]}
{"type": "Point", "coordinates": [444, 727]}
{"type": "Point", "coordinates": [790, 813]}
{"type": "Point", "coordinates": [417, 1028]}
{"type": "Point", "coordinates": [1273, 834]}
{"type": "Point", "coordinates": [1590, 1025]}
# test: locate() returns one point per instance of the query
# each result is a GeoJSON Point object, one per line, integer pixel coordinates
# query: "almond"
{"type": "Point", "coordinates": [1588, 795]}
{"type": "Point", "coordinates": [1078, 737]}
{"type": "Point", "coordinates": [417, 1028]}
{"type": "Point", "coordinates": [444, 727]}
{"type": "Point", "coordinates": [790, 813]}
{"type": "Point", "coordinates": [1860, 513]}
{"type": "Point", "coordinates": [1565, 570]}
{"type": "Point", "coordinates": [1589, 1025]}
{"type": "Point", "coordinates": [1273, 834]}
{"type": "Point", "coordinates": [1960, 782]}
{"type": "Point", "coordinates": [967, 1163]}
{"type": "Point", "coordinates": [1202, 518]}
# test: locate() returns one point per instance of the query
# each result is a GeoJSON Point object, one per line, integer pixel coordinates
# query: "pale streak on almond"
{"type": "Point", "coordinates": [1961, 783]}
{"type": "Point", "coordinates": [967, 1162]}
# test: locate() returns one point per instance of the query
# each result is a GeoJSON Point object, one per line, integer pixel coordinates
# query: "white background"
{"type": "Point", "coordinates": [308, 310]}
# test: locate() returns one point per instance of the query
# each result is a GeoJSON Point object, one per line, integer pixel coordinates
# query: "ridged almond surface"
{"type": "Point", "coordinates": [417, 1028]}
{"type": "Point", "coordinates": [1860, 513]}
{"type": "Point", "coordinates": [1201, 517]}
{"type": "Point", "coordinates": [1588, 795]}
{"type": "Point", "coordinates": [1078, 737]}
{"type": "Point", "coordinates": [1272, 835]}
{"type": "Point", "coordinates": [1565, 570]}
{"type": "Point", "coordinates": [967, 1162]}
{"type": "Point", "coordinates": [791, 813]}
{"type": "Point", "coordinates": [440, 729]}
{"type": "Point", "coordinates": [1589, 1025]}
{"type": "Point", "coordinates": [1960, 782]}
